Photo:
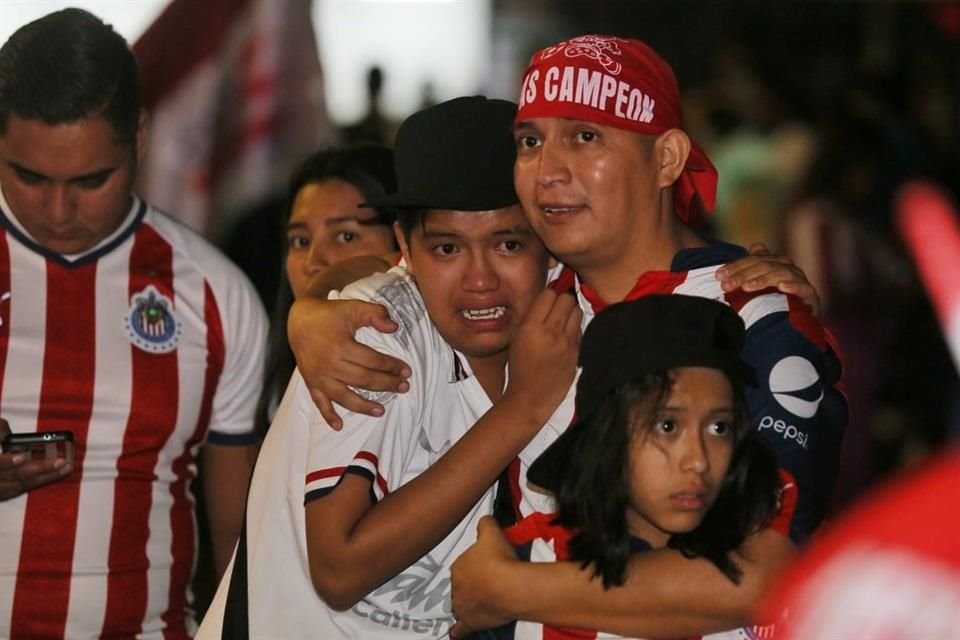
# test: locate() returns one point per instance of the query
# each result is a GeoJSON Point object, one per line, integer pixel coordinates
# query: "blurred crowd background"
{"type": "Point", "coordinates": [814, 113]}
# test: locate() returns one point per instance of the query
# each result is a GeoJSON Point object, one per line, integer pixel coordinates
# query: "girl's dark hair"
{"type": "Point", "coordinates": [367, 167]}
{"type": "Point", "coordinates": [593, 494]}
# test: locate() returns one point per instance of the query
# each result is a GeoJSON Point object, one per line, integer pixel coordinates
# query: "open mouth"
{"type": "Point", "coordinates": [491, 313]}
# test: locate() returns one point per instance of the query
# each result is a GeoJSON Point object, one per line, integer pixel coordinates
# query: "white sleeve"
{"type": "Point", "coordinates": [382, 448]}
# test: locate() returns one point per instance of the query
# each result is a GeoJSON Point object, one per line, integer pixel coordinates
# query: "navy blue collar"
{"type": "Point", "coordinates": [31, 244]}
{"type": "Point", "coordinates": [714, 253]}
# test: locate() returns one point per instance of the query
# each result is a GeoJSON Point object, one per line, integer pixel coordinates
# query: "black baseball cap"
{"type": "Point", "coordinates": [630, 339]}
{"type": "Point", "coordinates": [457, 154]}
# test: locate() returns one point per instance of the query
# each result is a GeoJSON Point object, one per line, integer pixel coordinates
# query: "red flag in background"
{"type": "Point", "coordinates": [235, 98]}
{"type": "Point", "coordinates": [930, 227]}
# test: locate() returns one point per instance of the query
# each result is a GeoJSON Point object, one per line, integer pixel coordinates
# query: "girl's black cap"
{"type": "Point", "coordinates": [630, 339]}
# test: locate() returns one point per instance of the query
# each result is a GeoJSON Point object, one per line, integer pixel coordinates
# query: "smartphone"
{"type": "Point", "coordinates": [42, 445]}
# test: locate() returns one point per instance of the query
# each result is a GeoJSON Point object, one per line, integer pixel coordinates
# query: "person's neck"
{"type": "Point", "coordinates": [653, 250]}
{"type": "Point", "coordinates": [491, 373]}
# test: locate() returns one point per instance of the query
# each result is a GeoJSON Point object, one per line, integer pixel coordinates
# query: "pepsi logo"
{"type": "Point", "coordinates": [795, 385]}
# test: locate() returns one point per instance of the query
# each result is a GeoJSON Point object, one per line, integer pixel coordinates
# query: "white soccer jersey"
{"type": "Point", "coordinates": [302, 458]}
{"type": "Point", "coordinates": [145, 347]}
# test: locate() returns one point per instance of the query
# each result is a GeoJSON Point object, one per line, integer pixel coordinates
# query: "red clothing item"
{"type": "Point", "coordinates": [538, 526]}
{"type": "Point", "coordinates": [889, 569]}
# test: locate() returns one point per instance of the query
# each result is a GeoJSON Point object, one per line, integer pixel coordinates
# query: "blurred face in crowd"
{"type": "Point", "coordinates": [69, 184]}
{"type": "Point", "coordinates": [326, 227]}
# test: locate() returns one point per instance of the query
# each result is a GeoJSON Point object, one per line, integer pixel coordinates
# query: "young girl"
{"type": "Point", "coordinates": [661, 454]}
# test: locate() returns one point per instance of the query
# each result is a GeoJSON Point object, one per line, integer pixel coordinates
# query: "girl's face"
{"type": "Point", "coordinates": [678, 463]}
{"type": "Point", "coordinates": [326, 226]}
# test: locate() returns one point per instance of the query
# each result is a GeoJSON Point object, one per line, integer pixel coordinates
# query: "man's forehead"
{"type": "Point", "coordinates": [62, 151]}
{"type": "Point", "coordinates": [474, 223]}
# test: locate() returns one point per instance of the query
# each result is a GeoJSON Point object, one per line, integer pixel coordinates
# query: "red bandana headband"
{"type": "Point", "coordinates": [619, 83]}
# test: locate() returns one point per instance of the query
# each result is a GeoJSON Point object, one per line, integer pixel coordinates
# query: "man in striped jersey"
{"type": "Point", "coordinates": [121, 326]}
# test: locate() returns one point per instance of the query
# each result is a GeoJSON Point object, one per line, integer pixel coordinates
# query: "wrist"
{"type": "Point", "coordinates": [513, 596]}
{"type": "Point", "coordinates": [527, 410]}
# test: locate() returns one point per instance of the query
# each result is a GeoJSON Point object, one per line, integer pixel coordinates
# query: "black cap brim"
{"type": "Point", "coordinates": [547, 470]}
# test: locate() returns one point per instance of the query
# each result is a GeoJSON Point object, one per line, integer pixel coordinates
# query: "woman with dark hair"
{"type": "Point", "coordinates": [325, 225]}
{"type": "Point", "coordinates": [662, 454]}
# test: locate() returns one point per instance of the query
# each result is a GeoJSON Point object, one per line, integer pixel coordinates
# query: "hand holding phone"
{"type": "Point", "coordinates": [44, 445]}
{"type": "Point", "coordinates": [32, 460]}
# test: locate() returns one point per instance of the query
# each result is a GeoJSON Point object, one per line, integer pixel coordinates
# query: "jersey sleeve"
{"type": "Point", "coordinates": [796, 405]}
{"type": "Point", "coordinates": [244, 324]}
{"type": "Point", "coordinates": [381, 448]}
{"type": "Point", "coordinates": [376, 448]}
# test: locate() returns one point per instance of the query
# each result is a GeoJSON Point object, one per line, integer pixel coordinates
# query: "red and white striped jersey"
{"type": "Point", "coordinates": [146, 347]}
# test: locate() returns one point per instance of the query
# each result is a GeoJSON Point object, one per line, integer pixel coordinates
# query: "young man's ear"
{"type": "Point", "coordinates": [404, 247]}
{"type": "Point", "coordinates": [671, 150]}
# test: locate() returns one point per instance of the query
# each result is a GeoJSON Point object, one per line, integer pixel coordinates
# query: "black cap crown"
{"type": "Point", "coordinates": [457, 155]}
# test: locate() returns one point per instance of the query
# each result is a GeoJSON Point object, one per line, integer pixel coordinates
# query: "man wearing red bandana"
{"type": "Point", "coordinates": [623, 85]}
{"type": "Point", "coordinates": [611, 183]}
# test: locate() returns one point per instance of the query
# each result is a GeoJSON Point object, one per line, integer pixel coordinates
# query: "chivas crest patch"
{"type": "Point", "coordinates": [150, 322]}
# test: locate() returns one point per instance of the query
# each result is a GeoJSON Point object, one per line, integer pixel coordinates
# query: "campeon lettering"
{"type": "Point", "coordinates": [588, 87]}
